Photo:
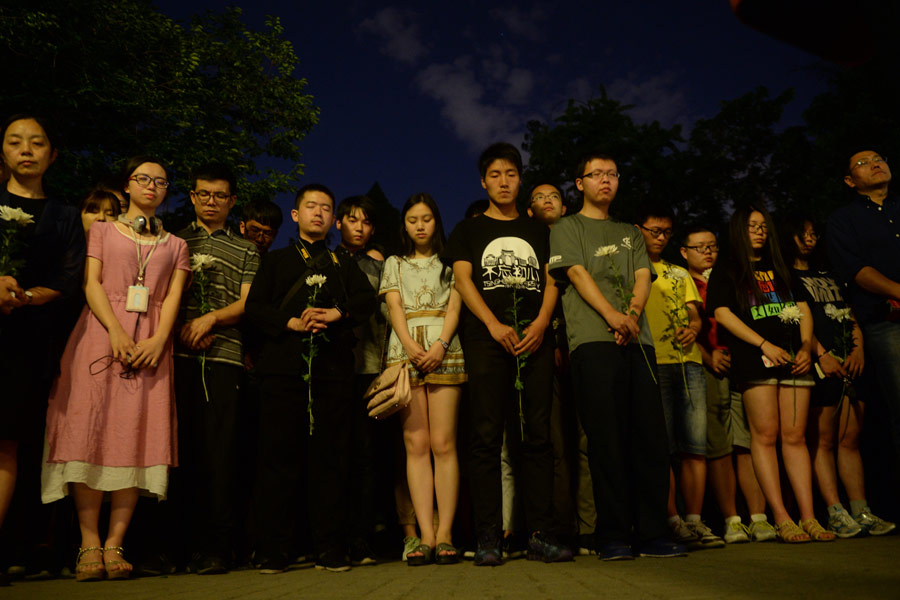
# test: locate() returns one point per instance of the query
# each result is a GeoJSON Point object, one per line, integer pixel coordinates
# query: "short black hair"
{"type": "Point", "coordinates": [95, 199]}
{"type": "Point", "coordinates": [351, 203]}
{"type": "Point", "coordinates": [264, 212]}
{"type": "Point", "coordinates": [595, 155]}
{"type": "Point", "coordinates": [134, 162]}
{"type": "Point", "coordinates": [45, 123]}
{"type": "Point", "coordinates": [477, 208]}
{"type": "Point", "coordinates": [654, 209]}
{"type": "Point", "coordinates": [499, 151]}
{"type": "Point", "coordinates": [214, 172]}
{"type": "Point", "coordinates": [692, 229]}
{"type": "Point", "coordinates": [553, 185]}
{"type": "Point", "coordinates": [313, 187]}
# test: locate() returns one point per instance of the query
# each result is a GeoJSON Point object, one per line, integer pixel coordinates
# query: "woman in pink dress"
{"type": "Point", "coordinates": [111, 415]}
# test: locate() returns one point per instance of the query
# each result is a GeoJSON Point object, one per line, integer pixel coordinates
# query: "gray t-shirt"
{"type": "Point", "coordinates": [579, 240]}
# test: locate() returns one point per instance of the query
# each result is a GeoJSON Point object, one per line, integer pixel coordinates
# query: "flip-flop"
{"type": "Point", "coordinates": [451, 558]}
{"type": "Point", "coordinates": [426, 556]}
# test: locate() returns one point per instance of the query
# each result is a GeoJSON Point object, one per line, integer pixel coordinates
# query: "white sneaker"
{"type": "Point", "coordinates": [705, 535]}
{"type": "Point", "coordinates": [685, 535]}
{"type": "Point", "coordinates": [762, 531]}
{"type": "Point", "coordinates": [843, 525]}
{"type": "Point", "coordinates": [874, 525]}
{"type": "Point", "coordinates": [736, 533]}
{"type": "Point", "coordinates": [409, 544]}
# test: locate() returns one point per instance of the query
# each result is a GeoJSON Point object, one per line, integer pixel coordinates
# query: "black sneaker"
{"type": "Point", "coordinates": [154, 566]}
{"type": "Point", "coordinates": [513, 546]}
{"type": "Point", "coordinates": [488, 553]}
{"type": "Point", "coordinates": [334, 560]}
{"type": "Point", "coordinates": [207, 564]}
{"type": "Point", "coordinates": [273, 565]}
{"type": "Point", "coordinates": [662, 548]}
{"type": "Point", "coordinates": [545, 547]}
{"type": "Point", "coordinates": [361, 553]}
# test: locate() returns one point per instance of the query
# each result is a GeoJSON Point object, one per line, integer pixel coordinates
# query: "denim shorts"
{"type": "Point", "coordinates": [684, 405]}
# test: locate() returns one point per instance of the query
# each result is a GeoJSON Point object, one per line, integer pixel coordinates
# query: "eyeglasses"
{"type": "Point", "coordinates": [542, 197]}
{"type": "Point", "coordinates": [205, 195]}
{"type": "Point", "coordinates": [812, 235]}
{"type": "Point", "coordinates": [704, 248]}
{"type": "Point", "coordinates": [758, 227]}
{"type": "Point", "coordinates": [865, 161]}
{"type": "Point", "coordinates": [256, 233]}
{"type": "Point", "coordinates": [601, 174]}
{"type": "Point", "coordinates": [144, 180]}
{"type": "Point", "coordinates": [656, 232]}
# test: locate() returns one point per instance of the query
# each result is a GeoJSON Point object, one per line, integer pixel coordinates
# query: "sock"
{"type": "Point", "coordinates": [835, 509]}
{"type": "Point", "coordinates": [858, 506]}
{"type": "Point", "coordinates": [732, 519]}
{"type": "Point", "coordinates": [692, 518]}
{"type": "Point", "coordinates": [758, 517]}
{"type": "Point", "coordinates": [673, 520]}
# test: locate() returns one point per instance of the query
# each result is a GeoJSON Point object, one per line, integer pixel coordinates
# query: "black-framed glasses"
{"type": "Point", "coordinates": [871, 160]}
{"type": "Point", "coordinates": [599, 175]}
{"type": "Point", "coordinates": [704, 248]}
{"type": "Point", "coordinates": [205, 195]}
{"type": "Point", "coordinates": [144, 180]}
{"type": "Point", "coordinates": [758, 227]}
{"type": "Point", "coordinates": [656, 231]}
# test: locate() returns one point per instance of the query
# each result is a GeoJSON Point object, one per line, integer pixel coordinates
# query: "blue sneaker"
{"type": "Point", "coordinates": [615, 551]}
{"type": "Point", "coordinates": [488, 553]}
{"type": "Point", "coordinates": [662, 548]}
{"type": "Point", "coordinates": [543, 546]}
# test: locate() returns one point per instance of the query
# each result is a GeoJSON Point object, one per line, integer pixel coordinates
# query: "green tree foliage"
{"type": "Point", "coordinates": [120, 78]}
{"type": "Point", "coordinates": [647, 155]}
{"type": "Point", "coordinates": [387, 229]}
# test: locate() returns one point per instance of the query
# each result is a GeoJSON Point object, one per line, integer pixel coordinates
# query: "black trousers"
{"type": "Point", "coordinates": [203, 487]}
{"type": "Point", "coordinates": [494, 406]}
{"type": "Point", "coordinates": [362, 462]}
{"type": "Point", "coordinates": [621, 412]}
{"type": "Point", "coordinates": [286, 450]}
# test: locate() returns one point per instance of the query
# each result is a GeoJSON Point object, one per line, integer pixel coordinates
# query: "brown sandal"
{"type": "Point", "coordinates": [790, 533]}
{"type": "Point", "coordinates": [816, 532]}
{"type": "Point", "coordinates": [116, 569]}
{"type": "Point", "coordinates": [89, 570]}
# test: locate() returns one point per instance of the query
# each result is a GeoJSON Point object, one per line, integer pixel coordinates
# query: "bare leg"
{"type": "Point", "coordinates": [753, 494]}
{"type": "Point", "coordinates": [443, 409]}
{"type": "Point", "coordinates": [672, 506]}
{"type": "Point", "coordinates": [419, 475]}
{"type": "Point", "coordinates": [693, 482]}
{"type": "Point", "coordinates": [821, 449]}
{"type": "Point", "coordinates": [793, 446]}
{"type": "Point", "coordinates": [8, 471]}
{"type": "Point", "coordinates": [87, 503]}
{"type": "Point", "coordinates": [849, 460]}
{"type": "Point", "coordinates": [120, 513]}
{"type": "Point", "coordinates": [761, 404]}
{"type": "Point", "coordinates": [724, 483]}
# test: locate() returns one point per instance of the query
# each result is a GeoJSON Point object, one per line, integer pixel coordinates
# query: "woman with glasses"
{"type": "Point", "coordinates": [110, 421]}
{"type": "Point", "coordinates": [836, 412]}
{"type": "Point", "coordinates": [770, 339]}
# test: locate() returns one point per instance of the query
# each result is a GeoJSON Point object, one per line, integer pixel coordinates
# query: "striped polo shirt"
{"type": "Point", "coordinates": [236, 262]}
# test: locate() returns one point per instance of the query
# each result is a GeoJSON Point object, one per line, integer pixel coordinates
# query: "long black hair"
{"type": "Point", "coordinates": [407, 247]}
{"type": "Point", "coordinates": [792, 225]}
{"type": "Point", "coordinates": [742, 268]}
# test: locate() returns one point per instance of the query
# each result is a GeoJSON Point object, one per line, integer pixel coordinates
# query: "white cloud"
{"type": "Point", "coordinates": [525, 23]}
{"type": "Point", "coordinates": [657, 98]}
{"type": "Point", "coordinates": [398, 32]}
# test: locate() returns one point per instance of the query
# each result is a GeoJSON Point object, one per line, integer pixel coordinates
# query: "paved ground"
{"type": "Point", "coordinates": [864, 568]}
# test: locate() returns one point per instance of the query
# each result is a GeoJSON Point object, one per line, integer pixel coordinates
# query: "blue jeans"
{"type": "Point", "coordinates": [882, 350]}
{"type": "Point", "coordinates": [684, 405]}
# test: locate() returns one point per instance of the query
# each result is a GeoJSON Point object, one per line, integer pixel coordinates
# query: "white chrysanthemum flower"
{"type": "Point", "coordinates": [21, 218]}
{"type": "Point", "coordinates": [790, 314]}
{"type": "Point", "coordinates": [513, 281]}
{"type": "Point", "coordinates": [626, 242]}
{"type": "Point", "coordinates": [707, 273]}
{"type": "Point", "coordinates": [316, 280]}
{"type": "Point", "coordinates": [200, 262]}
{"type": "Point", "coordinates": [838, 314]}
{"type": "Point", "coordinates": [675, 274]}
{"type": "Point", "coordinates": [610, 250]}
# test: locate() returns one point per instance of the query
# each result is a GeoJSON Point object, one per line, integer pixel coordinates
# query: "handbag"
{"type": "Point", "coordinates": [389, 392]}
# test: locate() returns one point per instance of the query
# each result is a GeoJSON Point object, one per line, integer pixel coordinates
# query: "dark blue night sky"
{"type": "Point", "coordinates": [410, 93]}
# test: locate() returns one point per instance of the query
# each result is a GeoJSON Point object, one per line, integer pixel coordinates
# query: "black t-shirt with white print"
{"type": "Point", "coordinates": [498, 250]}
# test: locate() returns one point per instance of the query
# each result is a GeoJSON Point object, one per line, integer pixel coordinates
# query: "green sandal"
{"type": "Point", "coordinates": [450, 558]}
{"type": "Point", "coordinates": [425, 557]}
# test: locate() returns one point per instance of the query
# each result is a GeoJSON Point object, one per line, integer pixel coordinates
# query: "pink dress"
{"type": "Point", "coordinates": [108, 431]}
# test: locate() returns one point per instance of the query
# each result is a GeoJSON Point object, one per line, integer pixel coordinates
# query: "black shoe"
{"type": "Point", "coordinates": [41, 564]}
{"type": "Point", "coordinates": [361, 553]}
{"type": "Point", "coordinates": [333, 560]}
{"type": "Point", "coordinates": [154, 566]}
{"type": "Point", "coordinates": [513, 546]}
{"type": "Point", "coordinates": [207, 564]}
{"type": "Point", "coordinates": [273, 565]}
{"type": "Point", "coordinates": [488, 553]}
{"type": "Point", "coordinates": [546, 548]}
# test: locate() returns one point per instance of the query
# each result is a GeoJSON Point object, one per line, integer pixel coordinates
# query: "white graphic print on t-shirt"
{"type": "Point", "coordinates": [507, 256]}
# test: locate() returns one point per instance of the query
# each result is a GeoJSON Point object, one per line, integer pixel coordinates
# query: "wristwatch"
{"type": "Point", "coordinates": [444, 344]}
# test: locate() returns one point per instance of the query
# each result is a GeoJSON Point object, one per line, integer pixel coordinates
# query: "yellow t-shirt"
{"type": "Point", "coordinates": [666, 312]}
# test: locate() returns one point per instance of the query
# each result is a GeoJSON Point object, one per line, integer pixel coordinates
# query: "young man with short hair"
{"type": "Point", "coordinates": [209, 369]}
{"type": "Point", "coordinates": [260, 222]}
{"type": "Point", "coordinates": [604, 262]}
{"type": "Point", "coordinates": [674, 317]}
{"type": "Point", "coordinates": [304, 411]}
{"type": "Point", "coordinates": [499, 260]}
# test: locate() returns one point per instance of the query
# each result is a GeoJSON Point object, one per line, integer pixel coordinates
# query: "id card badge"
{"type": "Point", "coordinates": [766, 362]}
{"type": "Point", "coordinates": [138, 298]}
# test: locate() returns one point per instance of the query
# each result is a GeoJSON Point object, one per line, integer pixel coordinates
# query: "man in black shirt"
{"type": "Point", "coordinates": [299, 293]}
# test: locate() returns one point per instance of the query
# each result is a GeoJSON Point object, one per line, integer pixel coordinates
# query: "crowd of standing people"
{"type": "Point", "coordinates": [595, 389]}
